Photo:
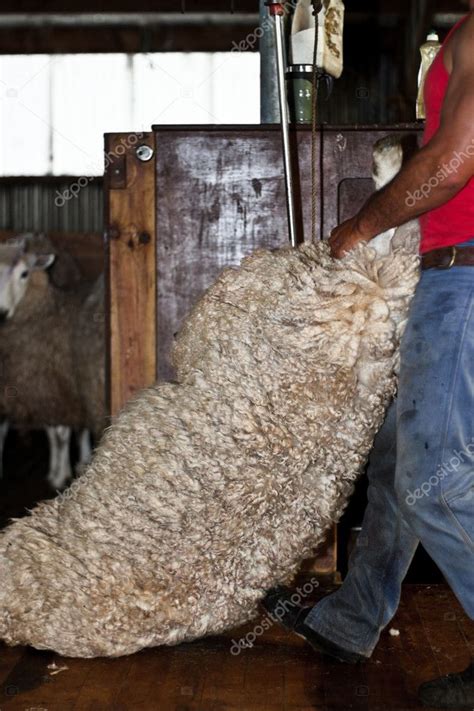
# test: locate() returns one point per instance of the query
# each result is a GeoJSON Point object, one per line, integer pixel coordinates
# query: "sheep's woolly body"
{"type": "Point", "coordinates": [207, 492]}
{"type": "Point", "coordinates": [52, 355]}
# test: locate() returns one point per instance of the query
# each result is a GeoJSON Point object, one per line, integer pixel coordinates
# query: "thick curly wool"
{"type": "Point", "coordinates": [205, 493]}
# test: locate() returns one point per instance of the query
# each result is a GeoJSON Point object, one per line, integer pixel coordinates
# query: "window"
{"type": "Point", "coordinates": [55, 109]}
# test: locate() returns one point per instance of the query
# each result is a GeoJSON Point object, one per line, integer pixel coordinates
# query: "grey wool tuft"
{"type": "Point", "coordinates": [205, 493]}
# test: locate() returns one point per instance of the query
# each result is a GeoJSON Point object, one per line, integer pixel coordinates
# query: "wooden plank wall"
{"type": "Point", "coordinates": [131, 278]}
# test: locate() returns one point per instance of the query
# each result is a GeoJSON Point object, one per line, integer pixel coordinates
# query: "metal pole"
{"type": "Point", "coordinates": [277, 11]}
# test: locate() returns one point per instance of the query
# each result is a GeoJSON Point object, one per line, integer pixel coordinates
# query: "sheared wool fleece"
{"type": "Point", "coordinates": [205, 493]}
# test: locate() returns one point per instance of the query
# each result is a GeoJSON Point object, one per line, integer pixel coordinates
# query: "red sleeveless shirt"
{"type": "Point", "coordinates": [453, 222]}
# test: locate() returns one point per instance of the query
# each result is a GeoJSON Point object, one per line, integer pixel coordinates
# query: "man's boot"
{"type": "Point", "coordinates": [292, 617]}
{"type": "Point", "coordinates": [454, 691]}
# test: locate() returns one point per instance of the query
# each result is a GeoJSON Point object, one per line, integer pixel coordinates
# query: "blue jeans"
{"type": "Point", "coordinates": [421, 470]}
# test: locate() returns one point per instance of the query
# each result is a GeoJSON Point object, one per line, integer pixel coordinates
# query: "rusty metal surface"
{"type": "Point", "coordinates": [352, 194]}
{"type": "Point", "coordinates": [347, 155]}
{"type": "Point", "coordinates": [220, 195]}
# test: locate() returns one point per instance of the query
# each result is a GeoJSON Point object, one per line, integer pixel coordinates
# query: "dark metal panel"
{"type": "Point", "coordinates": [347, 154]}
{"type": "Point", "coordinates": [353, 193]}
{"type": "Point", "coordinates": [220, 195]}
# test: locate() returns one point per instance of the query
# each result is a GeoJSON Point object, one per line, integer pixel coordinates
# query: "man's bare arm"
{"type": "Point", "coordinates": [445, 164]}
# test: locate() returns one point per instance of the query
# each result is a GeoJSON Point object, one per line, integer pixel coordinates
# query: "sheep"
{"type": "Point", "coordinates": [208, 491]}
{"type": "Point", "coordinates": [389, 154]}
{"type": "Point", "coordinates": [15, 267]}
{"type": "Point", "coordinates": [52, 353]}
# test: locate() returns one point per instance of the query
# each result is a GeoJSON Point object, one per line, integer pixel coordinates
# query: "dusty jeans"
{"type": "Point", "coordinates": [421, 471]}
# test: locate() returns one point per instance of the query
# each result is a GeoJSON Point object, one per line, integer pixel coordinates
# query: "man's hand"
{"type": "Point", "coordinates": [346, 237]}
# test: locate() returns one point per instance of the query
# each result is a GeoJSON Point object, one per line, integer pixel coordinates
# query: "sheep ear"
{"type": "Point", "coordinates": [22, 242]}
{"type": "Point", "coordinates": [41, 262]}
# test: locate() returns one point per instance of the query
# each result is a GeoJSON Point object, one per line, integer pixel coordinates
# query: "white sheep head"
{"type": "Point", "coordinates": [16, 267]}
{"type": "Point", "coordinates": [389, 154]}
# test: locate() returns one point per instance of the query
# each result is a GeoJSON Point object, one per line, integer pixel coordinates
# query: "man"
{"type": "Point", "coordinates": [421, 471]}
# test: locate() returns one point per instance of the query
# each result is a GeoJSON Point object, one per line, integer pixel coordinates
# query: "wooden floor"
{"type": "Point", "coordinates": [279, 673]}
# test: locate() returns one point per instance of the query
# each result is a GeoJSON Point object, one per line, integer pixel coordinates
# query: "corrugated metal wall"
{"type": "Point", "coordinates": [51, 205]}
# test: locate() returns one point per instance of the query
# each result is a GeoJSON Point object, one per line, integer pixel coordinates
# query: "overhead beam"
{"type": "Point", "coordinates": [118, 33]}
{"type": "Point", "coordinates": [104, 6]}
{"type": "Point", "coordinates": [125, 19]}
{"type": "Point", "coordinates": [203, 6]}
{"type": "Point", "coordinates": [48, 26]}
{"type": "Point", "coordinates": [219, 38]}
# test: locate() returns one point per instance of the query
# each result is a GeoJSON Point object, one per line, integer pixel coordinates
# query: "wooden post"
{"type": "Point", "coordinates": [130, 219]}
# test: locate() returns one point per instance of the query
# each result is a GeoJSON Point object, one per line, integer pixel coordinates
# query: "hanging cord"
{"type": "Point", "coordinates": [314, 127]}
